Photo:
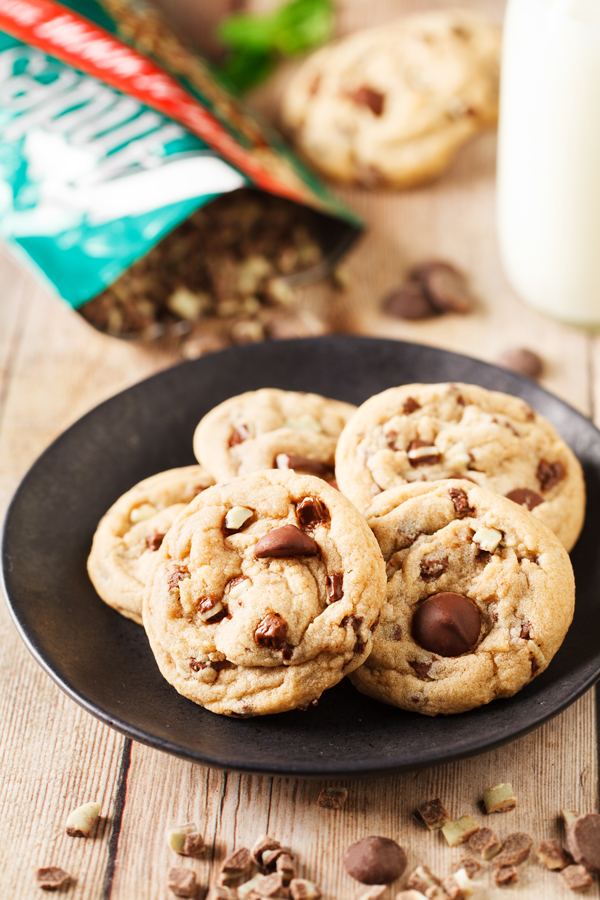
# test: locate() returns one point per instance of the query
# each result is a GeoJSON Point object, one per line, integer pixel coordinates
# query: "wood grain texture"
{"type": "Point", "coordinates": [53, 368]}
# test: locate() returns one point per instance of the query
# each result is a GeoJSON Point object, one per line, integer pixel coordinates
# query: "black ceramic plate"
{"type": "Point", "coordinates": [103, 661]}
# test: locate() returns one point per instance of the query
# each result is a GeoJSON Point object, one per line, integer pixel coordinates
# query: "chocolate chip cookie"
{"type": "Point", "coordinates": [391, 105]}
{"type": "Point", "coordinates": [266, 592]}
{"type": "Point", "coordinates": [480, 596]}
{"type": "Point", "coordinates": [424, 432]}
{"type": "Point", "coordinates": [130, 533]}
{"type": "Point", "coordinates": [271, 429]}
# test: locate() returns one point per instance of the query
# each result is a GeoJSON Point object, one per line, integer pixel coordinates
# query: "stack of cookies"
{"type": "Point", "coordinates": [417, 543]}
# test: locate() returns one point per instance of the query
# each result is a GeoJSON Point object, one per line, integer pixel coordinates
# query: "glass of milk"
{"type": "Point", "coordinates": [549, 156]}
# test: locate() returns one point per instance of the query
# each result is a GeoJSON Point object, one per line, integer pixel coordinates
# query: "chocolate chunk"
{"type": "Point", "coordinates": [525, 497]}
{"type": "Point", "coordinates": [271, 632]}
{"type": "Point", "coordinates": [461, 503]}
{"type": "Point", "coordinates": [410, 406]}
{"type": "Point", "coordinates": [239, 435]}
{"type": "Point", "coordinates": [286, 541]}
{"type": "Point", "coordinates": [332, 798]}
{"type": "Point", "coordinates": [334, 587]}
{"type": "Point", "coordinates": [211, 609]}
{"type": "Point", "coordinates": [366, 96]}
{"type": "Point", "coordinates": [505, 875]}
{"type": "Point", "coordinates": [549, 474]}
{"type": "Point", "coordinates": [422, 669]}
{"type": "Point", "coordinates": [525, 630]}
{"type": "Point", "coordinates": [182, 881]}
{"type": "Point", "coordinates": [375, 860]}
{"type": "Point", "coordinates": [51, 878]}
{"type": "Point", "coordinates": [522, 361]}
{"type": "Point", "coordinates": [485, 843]}
{"type": "Point", "coordinates": [577, 878]}
{"type": "Point", "coordinates": [534, 667]}
{"type": "Point", "coordinates": [552, 856]}
{"type": "Point", "coordinates": [447, 624]}
{"type": "Point", "coordinates": [515, 850]}
{"type": "Point", "coordinates": [220, 664]}
{"type": "Point", "coordinates": [311, 512]}
{"type": "Point", "coordinates": [196, 664]}
{"type": "Point", "coordinates": [408, 302]}
{"type": "Point", "coordinates": [153, 541]}
{"type": "Point", "coordinates": [355, 621]}
{"type": "Point", "coordinates": [422, 453]}
{"type": "Point", "coordinates": [177, 575]}
{"type": "Point", "coordinates": [288, 651]}
{"type": "Point", "coordinates": [444, 286]}
{"type": "Point", "coordinates": [433, 568]}
{"type": "Point", "coordinates": [583, 841]}
{"type": "Point", "coordinates": [303, 465]}
{"type": "Point", "coordinates": [434, 814]}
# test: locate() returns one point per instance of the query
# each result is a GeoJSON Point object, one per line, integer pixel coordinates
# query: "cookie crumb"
{"type": "Point", "coordinates": [505, 875]}
{"type": "Point", "coordinates": [499, 798]}
{"type": "Point", "coordinates": [332, 798]}
{"type": "Point", "coordinates": [552, 856]}
{"type": "Point", "coordinates": [460, 831]}
{"type": "Point", "coordinates": [301, 889]}
{"type": "Point", "coordinates": [182, 882]}
{"type": "Point", "coordinates": [515, 850]}
{"type": "Point", "coordinates": [577, 878]}
{"type": "Point", "coordinates": [51, 878]}
{"type": "Point", "coordinates": [81, 821]}
{"type": "Point", "coordinates": [485, 843]}
{"type": "Point", "coordinates": [433, 812]}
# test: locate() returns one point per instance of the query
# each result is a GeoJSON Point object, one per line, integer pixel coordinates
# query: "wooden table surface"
{"type": "Point", "coordinates": [53, 368]}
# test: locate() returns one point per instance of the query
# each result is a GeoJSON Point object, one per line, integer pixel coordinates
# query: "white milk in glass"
{"type": "Point", "coordinates": [549, 156]}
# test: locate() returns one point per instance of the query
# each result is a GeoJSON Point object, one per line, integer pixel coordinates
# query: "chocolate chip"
{"type": "Point", "coordinates": [334, 587]}
{"type": "Point", "coordinates": [515, 850]}
{"type": "Point", "coordinates": [583, 840]}
{"type": "Point", "coordinates": [422, 669]}
{"type": "Point", "coordinates": [182, 882]}
{"type": "Point", "coordinates": [525, 630]}
{"type": "Point", "coordinates": [375, 860]}
{"type": "Point", "coordinates": [366, 96]}
{"type": "Point", "coordinates": [525, 497]}
{"type": "Point", "coordinates": [396, 633]}
{"type": "Point", "coordinates": [433, 568]}
{"type": "Point", "coordinates": [444, 286]}
{"type": "Point", "coordinates": [177, 575]}
{"type": "Point", "coordinates": [288, 651]}
{"type": "Point", "coordinates": [408, 302]}
{"type": "Point", "coordinates": [447, 624]}
{"type": "Point", "coordinates": [410, 406]}
{"type": "Point", "coordinates": [311, 512]}
{"type": "Point", "coordinates": [461, 503]}
{"type": "Point", "coordinates": [51, 878]}
{"type": "Point", "coordinates": [153, 541]}
{"type": "Point", "coordinates": [239, 435]}
{"type": "Point", "coordinates": [205, 607]}
{"type": "Point", "coordinates": [422, 453]}
{"type": "Point", "coordinates": [355, 621]}
{"type": "Point", "coordinates": [271, 632]}
{"type": "Point", "coordinates": [286, 541]}
{"type": "Point", "coordinates": [304, 465]}
{"type": "Point", "coordinates": [549, 474]}
{"type": "Point", "coordinates": [522, 361]}
{"type": "Point", "coordinates": [577, 878]}
{"type": "Point", "coordinates": [505, 875]}
{"type": "Point", "coordinates": [196, 664]}
{"type": "Point", "coordinates": [534, 667]}
{"type": "Point", "coordinates": [221, 664]}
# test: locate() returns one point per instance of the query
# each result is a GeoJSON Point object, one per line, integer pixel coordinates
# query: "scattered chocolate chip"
{"type": "Point", "coordinates": [485, 843]}
{"type": "Point", "coordinates": [552, 856]}
{"type": "Point", "coordinates": [182, 882]}
{"type": "Point", "coordinates": [522, 361]}
{"type": "Point", "coordinates": [408, 302]}
{"type": "Point", "coordinates": [311, 512]}
{"type": "Point", "coordinates": [444, 286]}
{"type": "Point", "coordinates": [515, 850]}
{"type": "Point", "coordinates": [239, 435]}
{"type": "Point", "coordinates": [549, 474]}
{"type": "Point", "coordinates": [505, 875]}
{"type": "Point", "coordinates": [525, 630]}
{"type": "Point", "coordinates": [421, 669]}
{"type": "Point", "coordinates": [332, 798]}
{"type": "Point", "coordinates": [461, 503]}
{"type": "Point", "coordinates": [51, 878]}
{"type": "Point", "coordinates": [285, 541]}
{"type": "Point", "coordinates": [375, 860]}
{"type": "Point", "coordinates": [153, 541]}
{"type": "Point", "coordinates": [525, 497]}
{"type": "Point", "coordinates": [433, 568]}
{"type": "Point", "coordinates": [422, 453]}
{"type": "Point", "coordinates": [577, 878]}
{"type": "Point", "coordinates": [334, 587]}
{"type": "Point", "coordinates": [271, 632]}
{"type": "Point", "coordinates": [434, 814]}
{"type": "Point", "coordinates": [447, 624]}
{"type": "Point", "coordinates": [410, 406]}
{"type": "Point", "coordinates": [583, 841]}
{"type": "Point", "coordinates": [304, 465]}
{"type": "Point", "coordinates": [470, 865]}
{"type": "Point", "coordinates": [177, 575]}
{"type": "Point", "coordinates": [196, 664]}
{"type": "Point", "coordinates": [366, 96]}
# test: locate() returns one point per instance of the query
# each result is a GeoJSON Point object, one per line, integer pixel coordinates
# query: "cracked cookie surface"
{"type": "Point", "coordinates": [266, 592]}
{"type": "Point", "coordinates": [425, 432]}
{"type": "Point", "coordinates": [520, 592]}
{"type": "Point", "coordinates": [129, 534]}
{"type": "Point", "coordinates": [271, 428]}
{"type": "Point", "coordinates": [393, 104]}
